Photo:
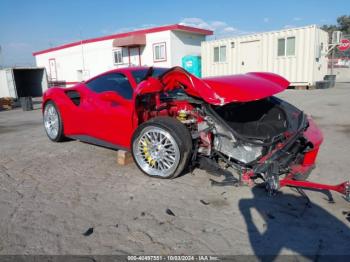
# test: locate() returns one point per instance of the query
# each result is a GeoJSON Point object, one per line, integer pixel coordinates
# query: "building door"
{"type": "Point", "coordinates": [134, 56]}
{"type": "Point", "coordinates": [11, 83]}
{"type": "Point", "coordinates": [249, 54]}
{"type": "Point", "coordinates": [53, 69]}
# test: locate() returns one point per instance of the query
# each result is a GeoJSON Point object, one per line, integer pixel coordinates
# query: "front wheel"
{"type": "Point", "coordinates": [53, 122]}
{"type": "Point", "coordinates": [161, 147]}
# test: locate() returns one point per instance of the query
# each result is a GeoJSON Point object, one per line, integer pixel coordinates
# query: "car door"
{"type": "Point", "coordinates": [110, 109]}
{"type": "Point", "coordinates": [74, 110]}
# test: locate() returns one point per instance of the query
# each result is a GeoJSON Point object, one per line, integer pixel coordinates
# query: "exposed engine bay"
{"type": "Point", "coordinates": [257, 137]}
{"type": "Point", "coordinates": [242, 133]}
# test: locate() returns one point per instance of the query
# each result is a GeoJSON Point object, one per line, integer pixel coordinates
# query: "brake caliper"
{"type": "Point", "coordinates": [148, 156]}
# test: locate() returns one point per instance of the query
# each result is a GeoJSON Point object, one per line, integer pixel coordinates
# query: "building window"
{"type": "Point", "coordinates": [290, 46]}
{"type": "Point", "coordinates": [286, 46]}
{"type": "Point", "coordinates": [159, 52]}
{"type": "Point", "coordinates": [118, 56]}
{"type": "Point", "coordinates": [220, 54]}
{"type": "Point", "coordinates": [216, 54]}
{"type": "Point", "coordinates": [281, 47]}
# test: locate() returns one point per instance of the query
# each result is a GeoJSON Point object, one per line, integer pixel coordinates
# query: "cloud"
{"type": "Point", "coordinates": [217, 24]}
{"type": "Point", "coordinates": [220, 28]}
{"type": "Point", "coordinates": [289, 26]}
{"type": "Point", "coordinates": [266, 19]}
{"type": "Point", "coordinates": [197, 22]}
{"type": "Point", "coordinates": [297, 19]}
{"type": "Point", "coordinates": [108, 31]}
{"type": "Point", "coordinates": [229, 29]}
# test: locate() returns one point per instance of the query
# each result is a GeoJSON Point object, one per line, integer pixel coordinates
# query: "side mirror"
{"type": "Point", "coordinates": [112, 96]}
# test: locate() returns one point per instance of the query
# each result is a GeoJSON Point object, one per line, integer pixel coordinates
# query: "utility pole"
{"type": "Point", "coordinates": [82, 55]}
{"type": "Point", "coordinates": [0, 56]}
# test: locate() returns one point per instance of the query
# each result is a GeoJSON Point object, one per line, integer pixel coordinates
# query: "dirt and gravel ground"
{"type": "Point", "coordinates": [52, 193]}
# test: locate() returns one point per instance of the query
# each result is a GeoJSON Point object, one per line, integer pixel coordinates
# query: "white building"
{"type": "Point", "coordinates": [160, 46]}
{"type": "Point", "coordinates": [298, 54]}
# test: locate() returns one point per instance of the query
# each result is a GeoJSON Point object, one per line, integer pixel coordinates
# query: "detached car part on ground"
{"type": "Point", "coordinates": [172, 121]}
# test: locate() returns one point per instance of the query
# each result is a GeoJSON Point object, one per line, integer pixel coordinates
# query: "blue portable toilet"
{"type": "Point", "coordinates": [192, 63]}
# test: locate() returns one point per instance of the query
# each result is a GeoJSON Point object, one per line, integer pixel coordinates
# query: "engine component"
{"type": "Point", "coordinates": [182, 115]}
{"type": "Point", "coordinates": [205, 138]}
{"type": "Point", "coordinates": [243, 152]}
{"type": "Point", "coordinates": [272, 178]}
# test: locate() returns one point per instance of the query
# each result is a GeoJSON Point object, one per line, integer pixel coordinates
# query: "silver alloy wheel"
{"type": "Point", "coordinates": [156, 152]}
{"type": "Point", "coordinates": [51, 121]}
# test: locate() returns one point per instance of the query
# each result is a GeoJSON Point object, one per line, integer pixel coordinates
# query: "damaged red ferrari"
{"type": "Point", "coordinates": [172, 122]}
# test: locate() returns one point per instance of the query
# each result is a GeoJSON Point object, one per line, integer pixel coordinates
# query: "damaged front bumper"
{"type": "Point", "coordinates": [287, 166]}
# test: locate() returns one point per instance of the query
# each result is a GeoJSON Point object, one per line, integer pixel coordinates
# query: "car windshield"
{"type": "Point", "coordinates": [140, 75]}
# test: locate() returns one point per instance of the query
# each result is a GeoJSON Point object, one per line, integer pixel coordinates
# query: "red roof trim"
{"type": "Point", "coordinates": [175, 27]}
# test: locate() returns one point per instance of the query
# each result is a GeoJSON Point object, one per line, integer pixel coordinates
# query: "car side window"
{"type": "Point", "coordinates": [112, 82]}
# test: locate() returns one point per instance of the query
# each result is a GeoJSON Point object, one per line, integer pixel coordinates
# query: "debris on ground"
{"type": "Point", "coordinates": [204, 202]}
{"type": "Point", "coordinates": [6, 103]}
{"type": "Point", "coordinates": [347, 215]}
{"type": "Point", "coordinates": [88, 232]}
{"type": "Point", "coordinates": [169, 212]}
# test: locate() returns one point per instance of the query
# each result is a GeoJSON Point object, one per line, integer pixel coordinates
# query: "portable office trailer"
{"type": "Point", "coordinates": [162, 46]}
{"type": "Point", "coordinates": [23, 82]}
{"type": "Point", "coordinates": [298, 54]}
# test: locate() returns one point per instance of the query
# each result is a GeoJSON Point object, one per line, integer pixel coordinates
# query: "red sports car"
{"type": "Point", "coordinates": [172, 121]}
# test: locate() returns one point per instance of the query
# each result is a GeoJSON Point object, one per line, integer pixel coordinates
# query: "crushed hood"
{"type": "Point", "coordinates": [217, 90]}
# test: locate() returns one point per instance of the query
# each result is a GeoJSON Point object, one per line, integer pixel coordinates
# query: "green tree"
{"type": "Point", "coordinates": [343, 25]}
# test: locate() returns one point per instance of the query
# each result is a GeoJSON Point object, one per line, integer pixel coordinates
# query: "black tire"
{"type": "Point", "coordinates": [60, 135]}
{"type": "Point", "coordinates": [180, 134]}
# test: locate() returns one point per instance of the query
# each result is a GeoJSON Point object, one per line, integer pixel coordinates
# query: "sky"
{"type": "Point", "coordinates": [27, 26]}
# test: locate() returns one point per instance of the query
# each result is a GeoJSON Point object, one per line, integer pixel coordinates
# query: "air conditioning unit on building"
{"type": "Point", "coordinates": [336, 37]}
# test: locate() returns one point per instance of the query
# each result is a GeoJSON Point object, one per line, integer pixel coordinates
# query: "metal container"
{"type": "Point", "coordinates": [298, 54]}
{"type": "Point", "coordinates": [23, 82]}
{"type": "Point", "coordinates": [331, 79]}
{"type": "Point", "coordinates": [192, 63]}
{"type": "Point", "coordinates": [323, 84]}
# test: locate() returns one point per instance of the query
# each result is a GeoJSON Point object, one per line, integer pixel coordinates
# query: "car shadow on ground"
{"type": "Point", "coordinates": [290, 222]}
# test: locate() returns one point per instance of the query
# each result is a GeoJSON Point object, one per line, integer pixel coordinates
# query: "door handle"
{"type": "Point", "coordinates": [242, 63]}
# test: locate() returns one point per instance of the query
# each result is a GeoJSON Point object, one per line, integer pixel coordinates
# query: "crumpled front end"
{"type": "Point", "coordinates": [236, 123]}
{"type": "Point", "coordinates": [290, 164]}
{"type": "Point", "coordinates": [268, 139]}
{"type": "Point", "coordinates": [217, 91]}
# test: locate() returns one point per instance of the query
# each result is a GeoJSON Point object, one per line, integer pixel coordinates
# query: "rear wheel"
{"type": "Point", "coordinates": [53, 122]}
{"type": "Point", "coordinates": [162, 147]}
